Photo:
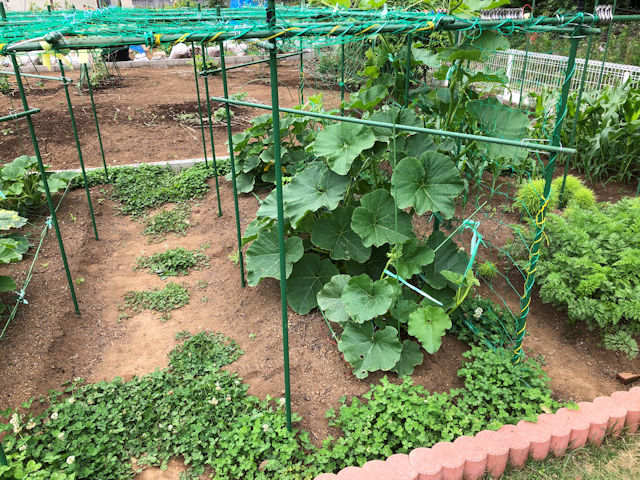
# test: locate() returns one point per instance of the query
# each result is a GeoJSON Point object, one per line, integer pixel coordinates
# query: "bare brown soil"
{"type": "Point", "coordinates": [139, 117]}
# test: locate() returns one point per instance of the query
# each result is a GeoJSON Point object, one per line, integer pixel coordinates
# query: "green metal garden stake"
{"type": "Point", "coordinates": [407, 71]}
{"type": "Point", "coordinates": [79, 149]}
{"type": "Point", "coordinates": [47, 192]}
{"type": "Point", "coordinates": [574, 128]}
{"type": "Point", "coordinates": [273, 68]}
{"type": "Point", "coordinates": [3, 458]}
{"type": "Point", "coordinates": [534, 253]}
{"type": "Point", "coordinates": [213, 145]}
{"type": "Point", "coordinates": [195, 74]}
{"type": "Point", "coordinates": [342, 80]}
{"type": "Point", "coordinates": [225, 89]}
{"type": "Point", "coordinates": [95, 118]}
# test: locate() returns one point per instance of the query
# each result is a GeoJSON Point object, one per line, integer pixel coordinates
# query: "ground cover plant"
{"type": "Point", "coordinates": [199, 411]}
{"type": "Point", "coordinates": [590, 267]}
{"type": "Point", "coordinates": [172, 262]}
{"type": "Point", "coordinates": [163, 300]}
{"type": "Point", "coordinates": [176, 221]}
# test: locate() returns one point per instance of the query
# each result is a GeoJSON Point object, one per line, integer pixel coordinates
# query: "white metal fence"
{"type": "Point", "coordinates": [545, 71]}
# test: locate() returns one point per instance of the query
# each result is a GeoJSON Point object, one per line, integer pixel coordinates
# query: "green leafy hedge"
{"type": "Point", "coordinates": [592, 268]}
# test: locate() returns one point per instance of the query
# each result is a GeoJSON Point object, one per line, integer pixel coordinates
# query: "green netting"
{"type": "Point", "coordinates": [307, 26]}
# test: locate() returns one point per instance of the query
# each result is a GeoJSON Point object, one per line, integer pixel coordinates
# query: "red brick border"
{"type": "Point", "coordinates": [469, 457]}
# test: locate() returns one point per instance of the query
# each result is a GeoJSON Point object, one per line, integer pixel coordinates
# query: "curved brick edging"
{"type": "Point", "coordinates": [469, 457]}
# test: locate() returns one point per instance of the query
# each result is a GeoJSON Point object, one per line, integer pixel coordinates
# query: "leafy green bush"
{"type": "Point", "coordinates": [530, 194]}
{"type": "Point", "coordinates": [576, 194]}
{"type": "Point", "coordinates": [5, 88]}
{"type": "Point", "coordinates": [172, 262]}
{"type": "Point", "coordinates": [22, 186]}
{"type": "Point", "coordinates": [592, 266]}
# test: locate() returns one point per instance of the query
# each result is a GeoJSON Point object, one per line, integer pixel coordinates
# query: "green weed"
{"type": "Point", "coordinates": [169, 298]}
{"type": "Point", "coordinates": [172, 262]}
{"type": "Point", "coordinates": [174, 221]}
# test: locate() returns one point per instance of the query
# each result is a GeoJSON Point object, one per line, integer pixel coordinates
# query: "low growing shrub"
{"type": "Point", "coordinates": [172, 262]}
{"type": "Point", "coordinates": [592, 268]}
{"type": "Point", "coordinates": [576, 194]}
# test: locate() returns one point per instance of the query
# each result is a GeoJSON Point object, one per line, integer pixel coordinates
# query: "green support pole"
{"type": "Point", "coordinates": [526, 58]}
{"type": "Point", "coordinates": [79, 149]}
{"type": "Point", "coordinates": [47, 192]}
{"type": "Point", "coordinates": [213, 145]}
{"type": "Point", "coordinates": [574, 128]}
{"type": "Point", "coordinates": [273, 68]}
{"type": "Point", "coordinates": [195, 74]}
{"type": "Point", "coordinates": [301, 74]}
{"type": "Point", "coordinates": [606, 46]}
{"type": "Point", "coordinates": [95, 118]}
{"type": "Point", "coordinates": [225, 89]}
{"type": "Point", "coordinates": [342, 80]}
{"type": "Point", "coordinates": [534, 252]}
{"type": "Point", "coordinates": [524, 72]}
{"type": "Point", "coordinates": [407, 71]}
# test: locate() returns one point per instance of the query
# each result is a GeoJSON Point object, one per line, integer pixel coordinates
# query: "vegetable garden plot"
{"type": "Point", "coordinates": [340, 229]}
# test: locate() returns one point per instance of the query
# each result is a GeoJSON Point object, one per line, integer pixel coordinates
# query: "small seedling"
{"type": "Point", "coordinates": [202, 284]}
{"type": "Point", "coordinates": [204, 299]}
{"type": "Point", "coordinates": [234, 257]}
{"type": "Point", "coordinates": [73, 217]}
{"type": "Point", "coordinates": [80, 280]}
{"type": "Point", "coordinates": [252, 336]}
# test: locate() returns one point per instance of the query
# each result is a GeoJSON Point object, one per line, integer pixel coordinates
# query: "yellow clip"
{"type": "Point", "coordinates": [368, 28]}
{"type": "Point", "coordinates": [180, 39]}
{"type": "Point", "coordinates": [157, 37]}
{"type": "Point", "coordinates": [215, 36]}
{"type": "Point", "coordinates": [2, 45]}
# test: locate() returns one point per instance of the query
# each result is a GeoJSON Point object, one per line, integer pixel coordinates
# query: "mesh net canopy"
{"type": "Point", "coordinates": [113, 26]}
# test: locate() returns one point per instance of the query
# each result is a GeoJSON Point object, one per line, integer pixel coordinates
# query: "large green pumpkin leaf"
{"type": "Point", "coordinates": [333, 232]}
{"type": "Point", "coordinates": [263, 256]}
{"type": "Point", "coordinates": [409, 358]}
{"type": "Point", "coordinates": [368, 98]}
{"type": "Point", "coordinates": [430, 183]}
{"type": "Point", "coordinates": [429, 324]}
{"type": "Point", "coordinates": [9, 250]}
{"type": "Point", "coordinates": [365, 299]}
{"type": "Point", "coordinates": [10, 219]}
{"type": "Point", "coordinates": [310, 190]}
{"type": "Point", "coordinates": [497, 120]}
{"type": "Point", "coordinates": [448, 257]}
{"type": "Point", "coordinates": [7, 284]}
{"type": "Point", "coordinates": [254, 228]}
{"type": "Point", "coordinates": [415, 145]}
{"type": "Point", "coordinates": [375, 220]}
{"type": "Point", "coordinates": [330, 299]}
{"type": "Point", "coordinates": [369, 351]}
{"type": "Point", "coordinates": [341, 143]}
{"type": "Point", "coordinates": [397, 115]}
{"type": "Point", "coordinates": [308, 277]}
{"type": "Point", "coordinates": [372, 267]}
{"type": "Point", "coordinates": [413, 259]}
{"type": "Point", "coordinates": [245, 182]}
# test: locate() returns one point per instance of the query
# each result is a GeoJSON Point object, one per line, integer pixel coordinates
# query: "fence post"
{"type": "Point", "coordinates": [507, 90]}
